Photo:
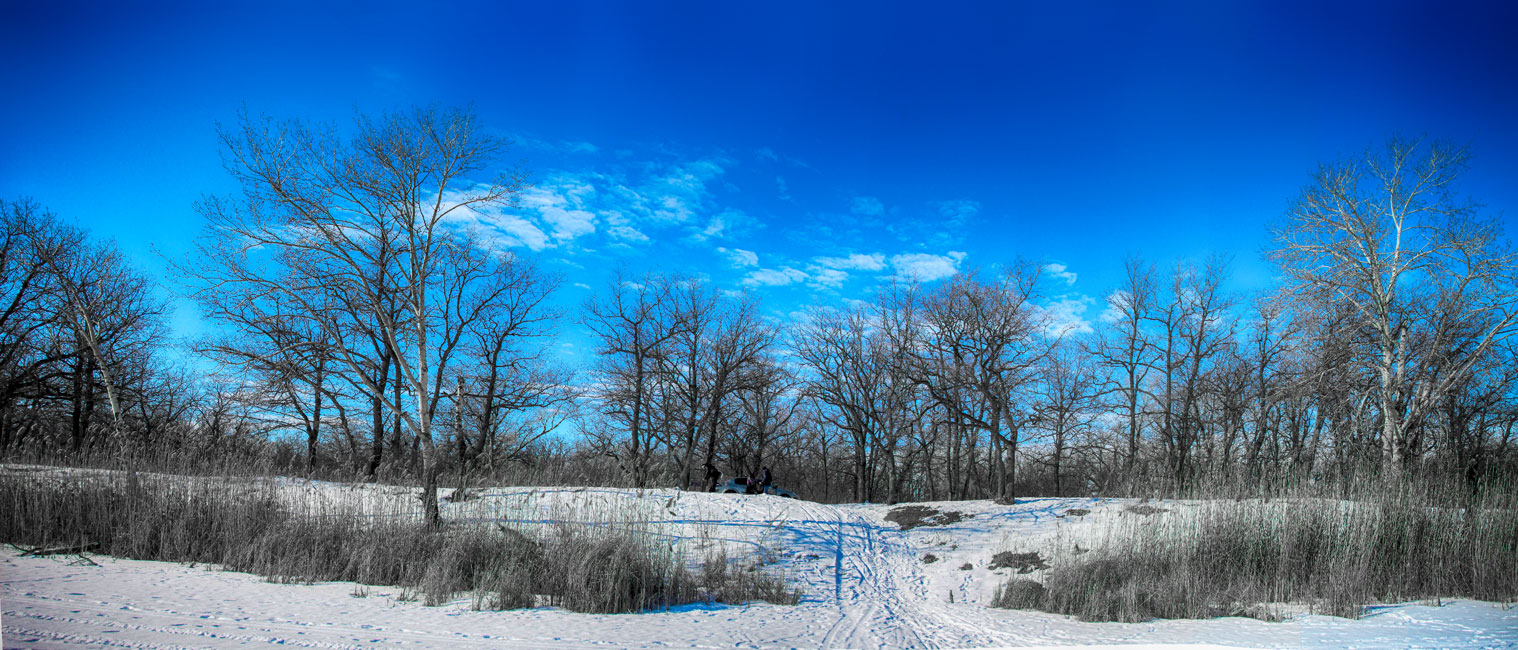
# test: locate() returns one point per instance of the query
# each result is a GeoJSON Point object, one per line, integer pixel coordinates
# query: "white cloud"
{"type": "Point", "coordinates": [774, 277]}
{"type": "Point", "coordinates": [926, 267]}
{"type": "Point", "coordinates": [1060, 271]}
{"type": "Point", "coordinates": [663, 196]}
{"type": "Point", "coordinates": [568, 224]}
{"type": "Point", "coordinates": [825, 277]}
{"type": "Point", "coordinates": [634, 203]}
{"type": "Point", "coordinates": [492, 225]}
{"type": "Point", "coordinates": [767, 153]}
{"type": "Point", "coordinates": [627, 234]}
{"type": "Point", "coordinates": [855, 262]}
{"type": "Point", "coordinates": [868, 206]}
{"type": "Point", "coordinates": [739, 258]}
{"type": "Point", "coordinates": [722, 226]}
{"type": "Point", "coordinates": [1067, 315]}
{"type": "Point", "coordinates": [521, 230]}
{"type": "Point", "coordinates": [560, 205]}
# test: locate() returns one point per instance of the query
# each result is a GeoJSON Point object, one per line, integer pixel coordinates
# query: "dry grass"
{"type": "Point", "coordinates": [592, 565]}
{"type": "Point", "coordinates": [1389, 543]}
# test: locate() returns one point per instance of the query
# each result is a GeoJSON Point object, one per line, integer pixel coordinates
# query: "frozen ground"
{"type": "Point", "coordinates": [866, 583]}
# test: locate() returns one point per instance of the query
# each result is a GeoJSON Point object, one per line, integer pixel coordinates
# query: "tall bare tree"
{"type": "Point", "coordinates": [847, 378]}
{"type": "Point", "coordinates": [325, 221]}
{"type": "Point", "coordinates": [1387, 234]}
{"type": "Point", "coordinates": [1124, 351]}
{"type": "Point", "coordinates": [1067, 395]}
{"type": "Point", "coordinates": [991, 343]}
{"type": "Point", "coordinates": [635, 325]}
{"type": "Point", "coordinates": [508, 392]}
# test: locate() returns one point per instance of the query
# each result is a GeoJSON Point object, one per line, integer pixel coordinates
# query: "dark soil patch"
{"type": "Point", "coordinates": [1145, 509]}
{"type": "Point", "coordinates": [929, 558]}
{"type": "Point", "coordinates": [909, 517]}
{"type": "Point", "coordinates": [966, 566]}
{"type": "Point", "coordinates": [1077, 512]}
{"type": "Point", "coordinates": [1020, 562]}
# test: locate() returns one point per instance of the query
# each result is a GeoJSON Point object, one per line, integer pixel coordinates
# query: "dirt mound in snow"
{"type": "Point", "coordinates": [909, 517]}
{"type": "Point", "coordinates": [1022, 562]}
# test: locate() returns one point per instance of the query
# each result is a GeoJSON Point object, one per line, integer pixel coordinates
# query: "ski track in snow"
{"type": "Point", "coordinates": [865, 582]}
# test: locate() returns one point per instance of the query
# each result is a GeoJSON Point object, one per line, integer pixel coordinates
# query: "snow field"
{"type": "Point", "coordinates": [865, 581]}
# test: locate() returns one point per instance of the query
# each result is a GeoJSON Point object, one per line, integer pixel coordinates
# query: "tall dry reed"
{"type": "Point", "coordinates": [1311, 550]}
{"type": "Point", "coordinates": [588, 562]}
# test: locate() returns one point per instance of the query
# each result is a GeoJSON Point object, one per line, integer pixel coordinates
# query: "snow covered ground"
{"type": "Point", "coordinates": [868, 584]}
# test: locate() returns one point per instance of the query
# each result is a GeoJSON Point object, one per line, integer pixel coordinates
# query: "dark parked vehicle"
{"type": "Point", "coordinates": [740, 486]}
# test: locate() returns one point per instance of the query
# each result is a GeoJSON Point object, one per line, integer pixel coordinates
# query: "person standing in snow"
{"type": "Point", "coordinates": [712, 477]}
{"type": "Point", "coordinates": [764, 480]}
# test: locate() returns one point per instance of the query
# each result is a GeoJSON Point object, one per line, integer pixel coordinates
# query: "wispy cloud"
{"type": "Point", "coordinates": [724, 224]}
{"type": "Point", "coordinates": [1067, 314]}
{"type": "Point", "coordinates": [494, 226]}
{"type": "Point", "coordinates": [739, 258]}
{"type": "Point", "coordinates": [555, 146]}
{"type": "Point", "coordinates": [631, 204]}
{"type": "Point", "coordinates": [627, 234]}
{"type": "Point", "coordinates": [560, 205]}
{"type": "Point", "coordinates": [1060, 271]}
{"type": "Point", "coordinates": [826, 278]}
{"type": "Point", "coordinates": [867, 206]}
{"type": "Point", "coordinates": [855, 262]}
{"type": "Point", "coordinates": [926, 267]}
{"type": "Point", "coordinates": [774, 277]}
{"type": "Point", "coordinates": [957, 212]}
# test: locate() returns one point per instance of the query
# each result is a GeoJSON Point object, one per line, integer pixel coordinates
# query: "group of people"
{"type": "Point", "coordinates": [759, 484]}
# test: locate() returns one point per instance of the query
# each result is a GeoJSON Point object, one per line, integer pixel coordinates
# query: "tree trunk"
{"type": "Point", "coordinates": [313, 433]}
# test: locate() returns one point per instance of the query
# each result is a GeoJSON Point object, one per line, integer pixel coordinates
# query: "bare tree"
{"type": "Point", "coordinates": [1204, 332]}
{"type": "Point", "coordinates": [847, 378]}
{"type": "Point", "coordinates": [513, 396]}
{"type": "Point", "coordinates": [1386, 234]}
{"type": "Point", "coordinates": [1126, 353]}
{"type": "Point", "coordinates": [1065, 407]}
{"type": "Point", "coordinates": [709, 360]}
{"type": "Point", "coordinates": [323, 222]}
{"type": "Point", "coordinates": [991, 342]}
{"type": "Point", "coordinates": [635, 325]}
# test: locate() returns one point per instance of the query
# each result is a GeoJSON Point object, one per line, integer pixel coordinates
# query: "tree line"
{"type": "Point", "coordinates": [362, 328]}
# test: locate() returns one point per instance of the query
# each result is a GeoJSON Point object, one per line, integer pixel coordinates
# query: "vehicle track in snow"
{"type": "Point", "coordinates": [876, 584]}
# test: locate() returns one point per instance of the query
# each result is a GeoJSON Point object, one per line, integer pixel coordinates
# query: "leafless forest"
{"type": "Point", "coordinates": [359, 331]}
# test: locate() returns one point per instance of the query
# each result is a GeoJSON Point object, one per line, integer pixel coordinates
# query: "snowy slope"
{"type": "Point", "coordinates": [866, 585]}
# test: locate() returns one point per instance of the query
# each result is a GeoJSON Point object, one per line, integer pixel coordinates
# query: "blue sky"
{"type": "Point", "coordinates": [805, 151]}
